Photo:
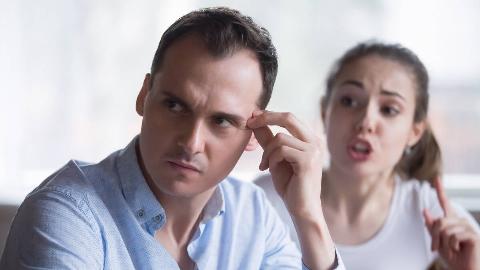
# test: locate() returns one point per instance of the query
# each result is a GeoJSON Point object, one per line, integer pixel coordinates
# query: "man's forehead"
{"type": "Point", "coordinates": [182, 47]}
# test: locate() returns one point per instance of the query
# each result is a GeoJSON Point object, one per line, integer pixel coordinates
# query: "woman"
{"type": "Point", "coordinates": [381, 212]}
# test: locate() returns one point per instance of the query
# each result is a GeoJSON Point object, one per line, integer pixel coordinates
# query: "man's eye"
{"type": "Point", "coordinates": [173, 105]}
{"type": "Point", "coordinates": [348, 101]}
{"type": "Point", "coordinates": [222, 122]}
{"type": "Point", "coordinates": [389, 111]}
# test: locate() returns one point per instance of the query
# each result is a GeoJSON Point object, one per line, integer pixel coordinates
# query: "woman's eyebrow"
{"type": "Point", "coordinates": [353, 82]}
{"type": "Point", "coordinates": [392, 93]}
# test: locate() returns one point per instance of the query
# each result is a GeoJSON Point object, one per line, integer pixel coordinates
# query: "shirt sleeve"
{"type": "Point", "coordinates": [53, 229]}
{"type": "Point", "coordinates": [337, 263]}
{"type": "Point", "coordinates": [280, 251]}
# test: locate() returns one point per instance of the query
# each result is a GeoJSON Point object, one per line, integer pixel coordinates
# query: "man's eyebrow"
{"type": "Point", "coordinates": [235, 119]}
{"type": "Point", "coordinates": [238, 119]}
{"type": "Point", "coordinates": [176, 99]}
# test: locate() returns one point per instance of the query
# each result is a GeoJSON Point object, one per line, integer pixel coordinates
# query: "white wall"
{"type": "Point", "coordinates": [70, 71]}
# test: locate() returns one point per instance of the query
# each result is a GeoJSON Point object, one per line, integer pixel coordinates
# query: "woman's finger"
{"type": "Point", "coordinates": [428, 219]}
{"type": "Point", "coordinates": [449, 236]}
{"type": "Point", "coordinates": [442, 197]}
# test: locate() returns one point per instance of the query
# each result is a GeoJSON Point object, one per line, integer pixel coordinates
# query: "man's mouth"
{"type": "Point", "coordinates": [179, 164]}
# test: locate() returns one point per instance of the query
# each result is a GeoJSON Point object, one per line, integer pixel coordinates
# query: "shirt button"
{"type": "Point", "coordinates": [140, 213]}
{"type": "Point", "coordinates": [158, 218]}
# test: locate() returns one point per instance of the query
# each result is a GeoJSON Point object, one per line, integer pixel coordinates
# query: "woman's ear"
{"type": "Point", "coordinates": [417, 132]}
{"type": "Point", "coordinates": [252, 143]}
{"type": "Point", "coordinates": [323, 108]}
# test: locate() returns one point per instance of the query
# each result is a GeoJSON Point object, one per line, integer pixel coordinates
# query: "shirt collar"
{"type": "Point", "coordinates": [139, 197]}
{"type": "Point", "coordinates": [215, 205]}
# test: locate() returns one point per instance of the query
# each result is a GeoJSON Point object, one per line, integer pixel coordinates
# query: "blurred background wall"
{"type": "Point", "coordinates": [70, 71]}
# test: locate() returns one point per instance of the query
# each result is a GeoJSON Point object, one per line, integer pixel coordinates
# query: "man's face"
{"type": "Point", "coordinates": [194, 117]}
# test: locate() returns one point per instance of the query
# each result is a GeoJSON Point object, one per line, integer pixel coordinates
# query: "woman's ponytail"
{"type": "Point", "coordinates": [424, 160]}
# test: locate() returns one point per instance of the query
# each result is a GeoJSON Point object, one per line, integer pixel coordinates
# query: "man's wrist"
{"type": "Point", "coordinates": [332, 267]}
{"type": "Point", "coordinates": [318, 250]}
{"type": "Point", "coordinates": [310, 214]}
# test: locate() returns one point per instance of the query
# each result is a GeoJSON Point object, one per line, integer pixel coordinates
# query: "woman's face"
{"type": "Point", "coordinates": [369, 117]}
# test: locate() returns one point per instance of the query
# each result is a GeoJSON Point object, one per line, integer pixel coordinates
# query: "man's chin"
{"type": "Point", "coordinates": [184, 190]}
{"type": "Point", "coordinates": [180, 185]}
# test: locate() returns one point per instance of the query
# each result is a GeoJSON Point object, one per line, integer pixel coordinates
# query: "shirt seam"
{"type": "Point", "coordinates": [67, 194]}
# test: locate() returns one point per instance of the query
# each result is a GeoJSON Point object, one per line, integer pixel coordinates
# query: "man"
{"type": "Point", "coordinates": [165, 201]}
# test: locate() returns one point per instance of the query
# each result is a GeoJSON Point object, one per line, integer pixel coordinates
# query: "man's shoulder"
{"type": "Point", "coordinates": [76, 181]}
{"type": "Point", "coordinates": [264, 181]}
{"type": "Point", "coordinates": [54, 214]}
{"type": "Point", "coordinates": [74, 175]}
{"type": "Point", "coordinates": [68, 184]}
{"type": "Point", "coordinates": [242, 193]}
{"type": "Point", "coordinates": [233, 184]}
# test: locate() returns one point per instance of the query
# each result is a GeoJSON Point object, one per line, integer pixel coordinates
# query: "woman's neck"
{"type": "Point", "coordinates": [356, 205]}
{"type": "Point", "coordinates": [341, 187]}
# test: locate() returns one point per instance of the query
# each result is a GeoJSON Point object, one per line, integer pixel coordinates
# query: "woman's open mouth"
{"type": "Point", "coordinates": [360, 150]}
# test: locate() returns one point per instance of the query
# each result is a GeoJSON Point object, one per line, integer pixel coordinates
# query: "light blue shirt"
{"type": "Point", "coordinates": [104, 216]}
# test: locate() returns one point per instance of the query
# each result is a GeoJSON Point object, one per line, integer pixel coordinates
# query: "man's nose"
{"type": "Point", "coordinates": [192, 139]}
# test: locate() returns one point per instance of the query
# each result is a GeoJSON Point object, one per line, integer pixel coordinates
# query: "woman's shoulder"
{"type": "Point", "coordinates": [425, 197]}
{"type": "Point", "coordinates": [419, 193]}
{"type": "Point", "coordinates": [417, 189]}
{"type": "Point", "coordinates": [421, 187]}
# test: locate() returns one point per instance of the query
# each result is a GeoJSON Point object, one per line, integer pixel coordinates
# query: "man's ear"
{"type": "Point", "coordinates": [143, 94]}
{"type": "Point", "coordinates": [416, 133]}
{"type": "Point", "coordinates": [252, 143]}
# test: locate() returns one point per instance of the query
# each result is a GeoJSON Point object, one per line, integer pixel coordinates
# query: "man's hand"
{"type": "Point", "coordinates": [295, 161]}
{"type": "Point", "coordinates": [453, 237]}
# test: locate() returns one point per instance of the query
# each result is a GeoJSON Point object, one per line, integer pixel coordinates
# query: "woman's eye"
{"type": "Point", "coordinates": [348, 101]}
{"type": "Point", "coordinates": [173, 105]}
{"type": "Point", "coordinates": [389, 111]}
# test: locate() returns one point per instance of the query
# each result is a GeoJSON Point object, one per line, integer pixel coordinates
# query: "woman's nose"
{"type": "Point", "coordinates": [367, 120]}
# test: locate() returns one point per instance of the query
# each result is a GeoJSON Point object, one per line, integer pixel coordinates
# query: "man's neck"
{"type": "Point", "coordinates": [183, 216]}
{"type": "Point", "coordinates": [183, 213]}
